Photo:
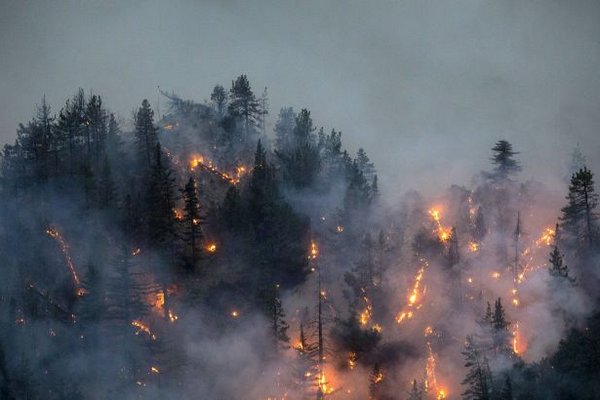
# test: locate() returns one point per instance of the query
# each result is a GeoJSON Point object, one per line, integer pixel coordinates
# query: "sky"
{"type": "Point", "coordinates": [426, 87]}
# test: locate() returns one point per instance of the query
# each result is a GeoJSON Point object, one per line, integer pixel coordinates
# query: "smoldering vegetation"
{"type": "Point", "coordinates": [202, 254]}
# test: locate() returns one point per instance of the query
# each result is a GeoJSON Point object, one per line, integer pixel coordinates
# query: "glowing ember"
{"type": "Point", "coordinates": [154, 370]}
{"type": "Point", "coordinates": [235, 314]}
{"type": "Point", "coordinates": [473, 247]}
{"type": "Point", "coordinates": [495, 275]}
{"type": "Point", "coordinates": [352, 360]}
{"type": "Point", "coordinates": [141, 327]}
{"type": "Point", "coordinates": [178, 214]}
{"type": "Point", "coordinates": [339, 229]}
{"type": "Point", "coordinates": [64, 246]}
{"type": "Point", "coordinates": [211, 247]}
{"type": "Point", "coordinates": [172, 316]}
{"type": "Point", "coordinates": [314, 250]}
{"type": "Point", "coordinates": [136, 251]}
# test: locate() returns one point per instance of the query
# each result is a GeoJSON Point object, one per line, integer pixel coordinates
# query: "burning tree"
{"type": "Point", "coordinates": [192, 231]}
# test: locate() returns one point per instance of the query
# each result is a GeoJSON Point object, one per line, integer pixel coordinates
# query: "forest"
{"type": "Point", "coordinates": [205, 253]}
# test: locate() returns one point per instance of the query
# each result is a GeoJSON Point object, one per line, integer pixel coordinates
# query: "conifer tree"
{"type": "Point", "coordinates": [503, 159]}
{"type": "Point", "coordinates": [415, 392]}
{"type": "Point", "coordinates": [146, 134]}
{"type": "Point", "coordinates": [579, 218]}
{"type": "Point", "coordinates": [192, 233]}
{"type": "Point", "coordinates": [478, 380]}
{"type": "Point", "coordinates": [243, 103]}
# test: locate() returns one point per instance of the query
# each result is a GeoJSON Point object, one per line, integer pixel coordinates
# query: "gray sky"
{"type": "Point", "coordinates": [425, 87]}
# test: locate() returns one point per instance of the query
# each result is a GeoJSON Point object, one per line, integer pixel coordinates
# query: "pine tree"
{"type": "Point", "coordinates": [243, 103]}
{"type": "Point", "coordinates": [192, 234]}
{"type": "Point", "coordinates": [284, 128]}
{"type": "Point", "coordinates": [579, 218]}
{"type": "Point", "coordinates": [146, 134]}
{"type": "Point", "coordinates": [375, 382]}
{"type": "Point", "coordinates": [505, 164]}
{"type": "Point", "coordinates": [479, 229]}
{"type": "Point", "coordinates": [232, 210]}
{"type": "Point", "coordinates": [478, 379]}
{"type": "Point", "coordinates": [364, 164]}
{"type": "Point", "coordinates": [415, 392]}
{"type": "Point", "coordinates": [507, 392]}
{"type": "Point", "coordinates": [557, 267]}
{"type": "Point", "coordinates": [106, 187]}
{"type": "Point", "coordinates": [578, 161]}
{"type": "Point", "coordinates": [500, 325]}
{"type": "Point", "coordinates": [263, 106]}
{"type": "Point", "coordinates": [160, 203]}
{"type": "Point", "coordinates": [271, 303]}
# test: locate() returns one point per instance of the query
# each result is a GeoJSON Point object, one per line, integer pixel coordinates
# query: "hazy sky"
{"type": "Point", "coordinates": [425, 87]}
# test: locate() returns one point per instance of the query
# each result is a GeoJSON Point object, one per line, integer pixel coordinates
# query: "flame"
{"type": "Point", "coordinates": [473, 247]}
{"type": "Point", "coordinates": [199, 161]}
{"type": "Point", "coordinates": [518, 344]}
{"type": "Point", "coordinates": [339, 229]}
{"type": "Point", "coordinates": [154, 370]}
{"type": "Point", "coordinates": [413, 296]}
{"type": "Point", "coordinates": [324, 384]}
{"type": "Point", "coordinates": [64, 247]}
{"type": "Point", "coordinates": [442, 232]}
{"type": "Point", "coordinates": [172, 316]}
{"type": "Point", "coordinates": [365, 315]}
{"type": "Point", "coordinates": [178, 214]}
{"type": "Point", "coordinates": [211, 247]}
{"type": "Point", "coordinates": [141, 327]}
{"type": "Point", "coordinates": [235, 314]}
{"type": "Point", "coordinates": [136, 252]}
{"type": "Point", "coordinates": [546, 238]}
{"type": "Point", "coordinates": [430, 378]}
{"type": "Point", "coordinates": [495, 275]}
{"type": "Point", "coordinates": [352, 360]}
{"type": "Point", "coordinates": [441, 394]}
{"type": "Point", "coordinates": [314, 250]}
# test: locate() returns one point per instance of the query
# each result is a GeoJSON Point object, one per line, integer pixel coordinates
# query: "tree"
{"type": "Point", "coordinates": [479, 229]}
{"type": "Point", "coordinates": [192, 233]}
{"type": "Point", "coordinates": [557, 268]}
{"type": "Point", "coordinates": [365, 165]}
{"type": "Point", "coordinates": [218, 97]}
{"type": "Point", "coordinates": [507, 392]}
{"type": "Point", "coordinates": [232, 210]}
{"type": "Point", "coordinates": [243, 103]}
{"type": "Point", "coordinates": [505, 164]}
{"type": "Point", "coordinates": [263, 104]}
{"type": "Point", "coordinates": [284, 128]}
{"type": "Point", "coordinates": [415, 392]}
{"type": "Point", "coordinates": [375, 381]}
{"type": "Point", "coordinates": [146, 134]}
{"type": "Point", "coordinates": [501, 335]}
{"type": "Point", "coordinates": [271, 303]}
{"type": "Point", "coordinates": [578, 161]}
{"type": "Point", "coordinates": [107, 191]}
{"type": "Point", "coordinates": [579, 218]}
{"type": "Point", "coordinates": [478, 379]}
{"type": "Point", "coordinates": [159, 203]}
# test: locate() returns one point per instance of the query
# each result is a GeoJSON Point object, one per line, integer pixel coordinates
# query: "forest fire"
{"type": "Point", "coordinates": [141, 327]}
{"type": "Point", "coordinates": [442, 232]}
{"type": "Point", "coordinates": [199, 161]}
{"type": "Point", "coordinates": [64, 247]}
{"type": "Point", "coordinates": [546, 238]}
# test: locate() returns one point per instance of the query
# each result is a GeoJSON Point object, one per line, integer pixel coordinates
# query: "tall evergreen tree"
{"type": "Point", "coordinates": [243, 103]}
{"type": "Point", "coordinates": [160, 203]}
{"type": "Point", "coordinates": [192, 233]}
{"type": "Point", "coordinates": [415, 392]}
{"type": "Point", "coordinates": [579, 218]}
{"type": "Point", "coordinates": [146, 134]}
{"type": "Point", "coordinates": [284, 128]}
{"type": "Point", "coordinates": [478, 380]}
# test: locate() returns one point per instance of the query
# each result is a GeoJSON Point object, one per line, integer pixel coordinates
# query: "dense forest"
{"type": "Point", "coordinates": [219, 251]}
